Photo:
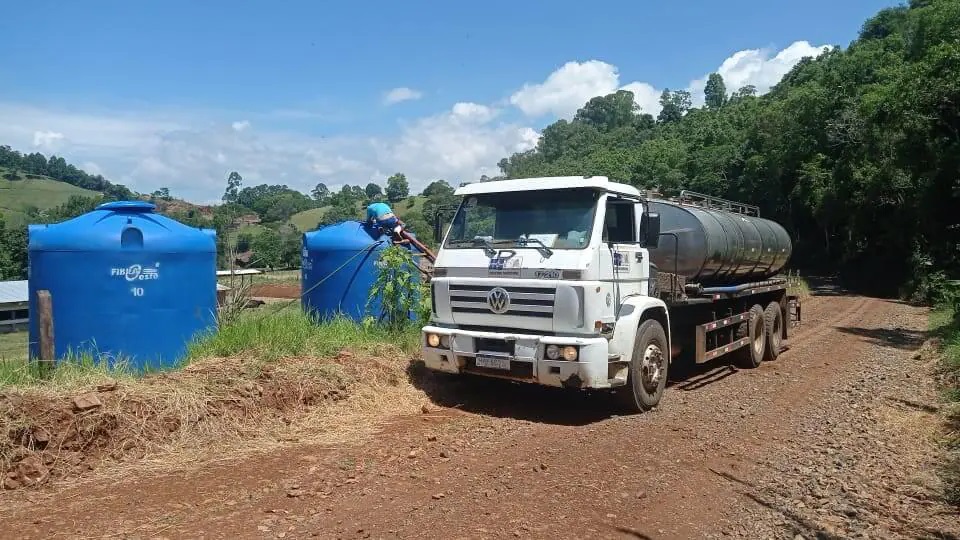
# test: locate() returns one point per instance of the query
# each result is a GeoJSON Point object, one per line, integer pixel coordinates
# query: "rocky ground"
{"type": "Point", "coordinates": [835, 439]}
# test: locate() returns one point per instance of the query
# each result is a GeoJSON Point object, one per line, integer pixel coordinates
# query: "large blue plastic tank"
{"type": "Point", "coordinates": [126, 283]}
{"type": "Point", "coordinates": [339, 268]}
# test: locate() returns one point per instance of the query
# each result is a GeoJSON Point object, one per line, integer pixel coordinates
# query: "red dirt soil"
{"type": "Point", "coordinates": [797, 446]}
{"type": "Point", "coordinates": [275, 290]}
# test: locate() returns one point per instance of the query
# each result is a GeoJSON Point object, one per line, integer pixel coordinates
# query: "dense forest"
{"type": "Point", "coordinates": [857, 152]}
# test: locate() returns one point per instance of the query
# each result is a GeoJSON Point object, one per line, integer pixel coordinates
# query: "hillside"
{"type": "Point", "coordinates": [42, 192]}
{"type": "Point", "coordinates": [308, 219]}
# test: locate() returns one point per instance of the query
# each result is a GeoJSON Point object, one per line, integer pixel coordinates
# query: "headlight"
{"type": "Point", "coordinates": [569, 353]}
{"type": "Point", "coordinates": [433, 340]}
{"type": "Point", "coordinates": [445, 342]}
{"type": "Point", "coordinates": [553, 352]}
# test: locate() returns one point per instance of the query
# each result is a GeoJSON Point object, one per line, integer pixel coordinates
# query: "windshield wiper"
{"type": "Point", "coordinates": [487, 246]}
{"type": "Point", "coordinates": [543, 249]}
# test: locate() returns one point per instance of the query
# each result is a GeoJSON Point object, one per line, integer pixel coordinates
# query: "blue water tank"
{"type": "Point", "coordinates": [339, 268]}
{"type": "Point", "coordinates": [126, 283]}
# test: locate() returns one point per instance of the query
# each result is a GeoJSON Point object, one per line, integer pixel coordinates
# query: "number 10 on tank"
{"type": "Point", "coordinates": [136, 291]}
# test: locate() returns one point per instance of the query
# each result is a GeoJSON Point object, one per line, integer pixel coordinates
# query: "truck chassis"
{"type": "Point", "coordinates": [712, 324]}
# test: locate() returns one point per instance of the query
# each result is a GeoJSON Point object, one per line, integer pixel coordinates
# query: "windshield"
{"type": "Point", "coordinates": [557, 219]}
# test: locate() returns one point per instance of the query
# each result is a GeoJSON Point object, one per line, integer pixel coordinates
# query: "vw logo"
{"type": "Point", "coordinates": [499, 300]}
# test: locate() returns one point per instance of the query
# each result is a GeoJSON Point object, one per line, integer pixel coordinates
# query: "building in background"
{"type": "Point", "coordinates": [14, 306]}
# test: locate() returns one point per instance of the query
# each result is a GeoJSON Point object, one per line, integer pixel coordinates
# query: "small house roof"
{"type": "Point", "coordinates": [14, 292]}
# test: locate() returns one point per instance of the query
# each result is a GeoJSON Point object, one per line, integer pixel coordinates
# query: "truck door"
{"type": "Point", "coordinates": [621, 257]}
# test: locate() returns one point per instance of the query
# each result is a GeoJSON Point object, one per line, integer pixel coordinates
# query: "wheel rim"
{"type": "Point", "coordinates": [758, 336]}
{"type": "Point", "coordinates": [651, 368]}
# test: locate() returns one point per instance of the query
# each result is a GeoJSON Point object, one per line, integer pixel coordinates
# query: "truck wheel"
{"type": "Point", "coordinates": [773, 323]}
{"type": "Point", "coordinates": [750, 356]}
{"type": "Point", "coordinates": [648, 369]}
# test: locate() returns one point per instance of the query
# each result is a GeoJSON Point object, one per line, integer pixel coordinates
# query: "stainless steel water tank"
{"type": "Point", "coordinates": [717, 247]}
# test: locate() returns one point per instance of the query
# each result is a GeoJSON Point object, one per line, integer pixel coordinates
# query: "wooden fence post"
{"type": "Point", "coordinates": [45, 312]}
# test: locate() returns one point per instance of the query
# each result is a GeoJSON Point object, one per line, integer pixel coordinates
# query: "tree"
{"type": "Point", "coordinates": [715, 93]}
{"type": "Point", "coordinates": [162, 194]}
{"type": "Point", "coordinates": [267, 248]}
{"type": "Point", "coordinates": [373, 191]}
{"type": "Point", "coordinates": [438, 187]}
{"type": "Point", "coordinates": [397, 188]}
{"type": "Point", "coordinates": [234, 181]}
{"type": "Point", "coordinates": [320, 193]}
{"type": "Point", "coordinates": [674, 105]}
{"type": "Point", "coordinates": [608, 112]}
{"type": "Point", "coordinates": [744, 91]}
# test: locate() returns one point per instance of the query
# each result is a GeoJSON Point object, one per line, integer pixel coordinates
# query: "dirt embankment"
{"type": "Point", "coordinates": [835, 439]}
{"type": "Point", "coordinates": [215, 404]}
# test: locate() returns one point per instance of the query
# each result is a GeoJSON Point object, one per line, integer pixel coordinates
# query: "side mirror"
{"type": "Point", "coordinates": [651, 236]}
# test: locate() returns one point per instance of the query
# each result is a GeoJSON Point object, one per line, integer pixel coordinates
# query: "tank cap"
{"type": "Point", "coordinates": [128, 206]}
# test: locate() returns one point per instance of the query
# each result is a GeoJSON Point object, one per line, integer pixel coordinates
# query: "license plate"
{"type": "Point", "coordinates": [493, 361]}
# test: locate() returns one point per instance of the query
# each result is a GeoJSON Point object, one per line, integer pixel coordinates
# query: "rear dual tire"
{"type": "Point", "coordinates": [764, 327]}
{"type": "Point", "coordinates": [751, 355]}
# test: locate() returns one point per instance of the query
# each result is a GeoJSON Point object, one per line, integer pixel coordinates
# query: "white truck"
{"type": "Point", "coordinates": [580, 282]}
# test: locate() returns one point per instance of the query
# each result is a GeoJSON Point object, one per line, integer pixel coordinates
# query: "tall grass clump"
{"type": "Point", "coordinates": [291, 332]}
{"type": "Point", "coordinates": [945, 323]}
{"type": "Point", "coordinates": [73, 371]}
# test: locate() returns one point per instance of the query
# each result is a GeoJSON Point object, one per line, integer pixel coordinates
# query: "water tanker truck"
{"type": "Point", "coordinates": [580, 282]}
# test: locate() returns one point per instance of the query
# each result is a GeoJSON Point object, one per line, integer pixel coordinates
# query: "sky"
{"type": "Point", "coordinates": [179, 93]}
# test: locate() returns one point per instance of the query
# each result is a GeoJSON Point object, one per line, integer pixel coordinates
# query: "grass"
{"type": "Point", "coordinates": [39, 191]}
{"type": "Point", "coordinates": [798, 286]}
{"type": "Point", "coordinates": [277, 333]}
{"type": "Point", "coordinates": [945, 325]}
{"type": "Point", "coordinates": [308, 219]}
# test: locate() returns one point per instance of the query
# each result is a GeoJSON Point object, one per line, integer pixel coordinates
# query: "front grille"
{"type": "Point", "coordinates": [524, 301]}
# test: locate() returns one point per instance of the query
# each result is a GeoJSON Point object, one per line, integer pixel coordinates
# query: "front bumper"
{"type": "Point", "coordinates": [592, 369]}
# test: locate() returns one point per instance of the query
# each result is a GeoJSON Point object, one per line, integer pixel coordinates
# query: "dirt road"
{"type": "Point", "coordinates": [833, 439]}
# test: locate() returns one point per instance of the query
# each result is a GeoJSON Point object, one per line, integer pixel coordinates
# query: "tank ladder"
{"type": "Point", "coordinates": [692, 198]}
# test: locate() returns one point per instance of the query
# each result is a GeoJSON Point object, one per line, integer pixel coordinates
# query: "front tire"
{"type": "Point", "coordinates": [647, 377]}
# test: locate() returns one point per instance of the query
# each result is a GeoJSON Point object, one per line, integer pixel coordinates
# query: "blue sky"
{"type": "Point", "coordinates": [179, 93]}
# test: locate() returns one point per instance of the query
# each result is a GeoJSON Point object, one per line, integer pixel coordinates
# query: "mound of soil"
{"type": "Point", "coordinates": [275, 290]}
{"type": "Point", "coordinates": [45, 435]}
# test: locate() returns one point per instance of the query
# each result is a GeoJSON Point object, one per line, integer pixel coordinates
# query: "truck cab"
{"type": "Point", "coordinates": [548, 281]}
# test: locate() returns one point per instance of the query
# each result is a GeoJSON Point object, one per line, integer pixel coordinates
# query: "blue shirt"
{"type": "Point", "coordinates": [377, 210]}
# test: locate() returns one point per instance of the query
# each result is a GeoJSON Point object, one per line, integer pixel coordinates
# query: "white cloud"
{"type": "Point", "coordinates": [458, 145]}
{"type": "Point", "coordinates": [240, 125]}
{"type": "Point", "coordinates": [573, 84]}
{"type": "Point", "coordinates": [567, 89]}
{"type": "Point", "coordinates": [397, 95]}
{"type": "Point", "coordinates": [192, 153]}
{"type": "Point", "coordinates": [46, 139]}
{"type": "Point", "coordinates": [756, 67]}
{"type": "Point", "coordinates": [645, 96]}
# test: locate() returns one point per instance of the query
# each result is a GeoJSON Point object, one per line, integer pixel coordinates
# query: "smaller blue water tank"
{"type": "Point", "coordinates": [125, 283]}
{"type": "Point", "coordinates": [339, 268]}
